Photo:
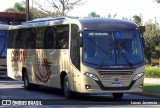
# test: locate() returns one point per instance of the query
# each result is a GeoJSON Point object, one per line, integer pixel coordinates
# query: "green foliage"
{"type": "Point", "coordinates": [152, 88]}
{"type": "Point", "coordinates": [18, 8]}
{"type": "Point", "coordinates": [93, 14]}
{"type": "Point", "coordinates": [34, 12]}
{"type": "Point", "coordinates": [111, 16]}
{"type": "Point", "coordinates": [129, 19]}
{"type": "Point", "coordinates": [152, 71]}
{"type": "Point", "coordinates": [157, 48]}
{"type": "Point", "coordinates": [152, 40]}
{"type": "Point", "coordinates": [137, 19]}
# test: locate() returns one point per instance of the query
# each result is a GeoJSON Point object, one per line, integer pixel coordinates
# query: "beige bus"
{"type": "Point", "coordinates": [3, 48]}
{"type": "Point", "coordinates": [84, 55]}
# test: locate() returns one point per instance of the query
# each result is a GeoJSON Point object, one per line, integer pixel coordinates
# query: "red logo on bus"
{"type": "Point", "coordinates": [18, 56]}
{"type": "Point", "coordinates": [43, 71]}
{"type": "Point", "coordinates": [41, 76]}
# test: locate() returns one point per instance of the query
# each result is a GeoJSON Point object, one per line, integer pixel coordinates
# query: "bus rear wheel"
{"type": "Point", "coordinates": [66, 88]}
{"type": "Point", "coordinates": [117, 95]}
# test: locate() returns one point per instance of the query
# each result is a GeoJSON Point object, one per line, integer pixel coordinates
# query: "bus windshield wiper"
{"type": "Point", "coordinates": [103, 59]}
{"type": "Point", "coordinates": [126, 59]}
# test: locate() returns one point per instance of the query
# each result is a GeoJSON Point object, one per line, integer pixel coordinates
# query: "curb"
{"type": "Point", "coordinates": [152, 95]}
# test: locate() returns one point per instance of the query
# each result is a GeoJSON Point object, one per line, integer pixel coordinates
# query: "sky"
{"type": "Point", "coordinates": [149, 9]}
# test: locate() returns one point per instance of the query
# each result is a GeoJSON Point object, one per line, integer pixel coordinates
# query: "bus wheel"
{"type": "Point", "coordinates": [117, 95]}
{"type": "Point", "coordinates": [67, 93]}
{"type": "Point", "coordinates": [27, 85]}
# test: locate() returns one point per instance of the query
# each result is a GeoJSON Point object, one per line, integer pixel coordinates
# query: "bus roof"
{"type": "Point", "coordinates": [105, 24]}
{"type": "Point", "coordinates": [4, 27]}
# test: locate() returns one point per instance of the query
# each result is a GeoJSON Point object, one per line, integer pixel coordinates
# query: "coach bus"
{"type": "Point", "coordinates": [3, 47]}
{"type": "Point", "coordinates": [77, 55]}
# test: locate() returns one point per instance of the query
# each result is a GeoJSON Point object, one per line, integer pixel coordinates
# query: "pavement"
{"type": "Point", "coordinates": [146, 81]}
{"type": "Point", "coordinates": [152, 80]}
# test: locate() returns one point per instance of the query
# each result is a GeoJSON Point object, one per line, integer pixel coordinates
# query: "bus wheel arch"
{"type": "Point", "coordinates": [23, 72]}
{"type": "Point", "coordinates": [62, 76]}
{"type": "Point", "coordinates": [25, 79]}
{"type": "Point", "coordinates": [65, 86]}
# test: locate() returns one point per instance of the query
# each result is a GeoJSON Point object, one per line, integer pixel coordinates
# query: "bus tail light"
{"type": "Point", "coordinates": [93, 76]}
{"type": "Point", "coordinates": [136, 77]}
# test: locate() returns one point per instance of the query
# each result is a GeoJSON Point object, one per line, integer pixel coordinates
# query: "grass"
{"type": "Point", "coordinates": [152, 88]}
{"type": "Point", "coordinates": [152, 71]}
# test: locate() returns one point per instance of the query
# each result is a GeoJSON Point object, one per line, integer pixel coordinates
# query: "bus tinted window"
{"type": "Point", "coordinates": [62, 37]}
{"type": "Point", "coordinates": [39, 37]}
{"type": "Point", "coordinates": [3, 43]}
{"type": "Point", "coordinates": [75, 50]}
{"type": "Point", "coordinates": [51, 37]}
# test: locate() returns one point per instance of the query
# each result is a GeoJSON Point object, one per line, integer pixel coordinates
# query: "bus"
{"type": "Point", "coordinates": [3, 47]}
{"type": "Point", "coordinates": [77, 55]}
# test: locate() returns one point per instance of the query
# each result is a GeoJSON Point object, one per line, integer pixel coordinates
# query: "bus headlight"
{"type": "Point", "coordinates": [136, 77]}
{"type": "Point", "coordinates": [93, 76]}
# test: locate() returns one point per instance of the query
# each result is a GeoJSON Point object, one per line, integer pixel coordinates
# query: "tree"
{"type": "Point", "coordinates": [137, 19]}
{"type": "Point", "coordinates": [57, 7]}
{"type": "Point", "coordinates": [93, 14]}
{"type": "Point", "coordinates": [112, 16]}
{"type": "Point", "coordinates": [152, 40]}
{"type": "Point", "coordinates": [35, 13]}
{"type": "Point", "coordinates": [20, 8]}
{"type": "Point", "coordinates": [129, 19]}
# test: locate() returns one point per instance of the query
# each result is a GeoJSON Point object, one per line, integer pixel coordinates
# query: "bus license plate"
{"type": "Point", "coordinates": [116, 84]}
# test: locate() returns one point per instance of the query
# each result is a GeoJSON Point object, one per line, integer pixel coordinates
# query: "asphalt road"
{"type": "Point", "coordinates": [48, 97]}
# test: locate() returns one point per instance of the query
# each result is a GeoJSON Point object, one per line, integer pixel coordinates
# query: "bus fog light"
{"type": "Point", "coordinates": [136, 77]}
{"type": "Point", "coordinates": [88, 87]}
{"type": "Point", "coordinates": [141, 86]}
{"type": "Point", "coordinates": [93, 76]}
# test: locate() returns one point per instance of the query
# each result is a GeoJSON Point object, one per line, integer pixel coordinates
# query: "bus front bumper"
{"type": "Point", "coordinates": [91, 86]}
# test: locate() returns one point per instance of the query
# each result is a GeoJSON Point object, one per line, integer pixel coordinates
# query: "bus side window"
{"type": "Point", "coordinates": [62, 37]}
{"type": "Point", "coordinates": [39, 37]}
{"type": "Point", "coordinates": [32, 38]}
{"type": "Point", "coordinates": [49, 38]}
{"type": "Point", "coordinates": [12, 40]}
{"type": "Point", "coordinates": [19, 39]}
{"type": "Point", "coordinates": [74, 48]}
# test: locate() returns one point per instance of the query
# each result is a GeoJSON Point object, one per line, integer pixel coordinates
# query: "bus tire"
{"type": "Point", "coordinates": [117, 95]}
{"type": "Point", "coordinates": [27, 85]}
{"type": "Point", "coordinates": [66, 88]}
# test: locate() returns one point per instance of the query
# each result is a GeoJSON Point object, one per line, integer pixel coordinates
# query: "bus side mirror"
{"type": "Point", "coordinates": [80, 42]}
{"type": "Point", "coordinates": [142, 29]}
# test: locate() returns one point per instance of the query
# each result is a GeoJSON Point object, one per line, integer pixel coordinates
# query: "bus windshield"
{"type": "Point", "coordinates": [112, 48]}
{"type": "Point", "coordinates": [3, 43]}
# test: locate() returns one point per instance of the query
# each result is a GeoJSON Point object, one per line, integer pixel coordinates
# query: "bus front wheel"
{"type": "Point", "coordinates": [117, 95]}
{"type": "Point", "coordinates": [67, 92]}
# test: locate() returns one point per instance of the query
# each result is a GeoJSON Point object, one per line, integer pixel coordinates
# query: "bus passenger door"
{"type": "Point", "coordinates": [75, 57]}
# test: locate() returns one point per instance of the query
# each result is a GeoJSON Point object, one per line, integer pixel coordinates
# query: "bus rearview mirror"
{"type": "Point", "coordinates": [142, 29]}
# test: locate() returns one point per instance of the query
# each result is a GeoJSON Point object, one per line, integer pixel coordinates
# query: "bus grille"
{"type": "Point", "coordinates": [112, 73]}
